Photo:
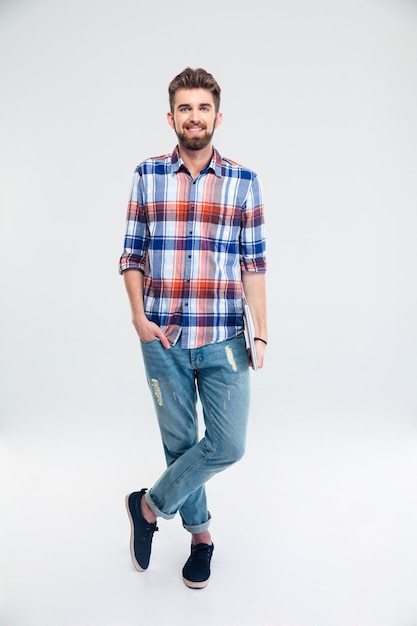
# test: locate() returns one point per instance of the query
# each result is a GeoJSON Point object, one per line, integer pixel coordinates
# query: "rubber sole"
{"type": "Point", "coordinates": [138, 567]}
{"type": "Point", "coordinates": [193, 585]}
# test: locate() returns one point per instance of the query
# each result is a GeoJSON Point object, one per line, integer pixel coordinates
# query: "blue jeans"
{"type": "Point", "coordinates": [219, 375]}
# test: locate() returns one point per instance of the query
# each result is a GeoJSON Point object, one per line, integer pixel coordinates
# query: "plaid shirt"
{"type": "Point", "coordinates": [192, 239]}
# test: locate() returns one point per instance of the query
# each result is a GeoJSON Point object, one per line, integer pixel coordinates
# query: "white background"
{"type": "Point", "coordinates": [316, 525]}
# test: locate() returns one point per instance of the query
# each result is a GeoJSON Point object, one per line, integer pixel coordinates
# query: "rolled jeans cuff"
{"type": "Point", "coordinates": [197, 528]}
{"type": "Point", "coordinates": [192, 528]}
{"type": "Point", "coordinates": [151, 504]}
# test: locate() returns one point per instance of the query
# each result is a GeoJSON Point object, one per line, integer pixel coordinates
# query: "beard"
{"type": "Point", "coordinates": [194, 143]}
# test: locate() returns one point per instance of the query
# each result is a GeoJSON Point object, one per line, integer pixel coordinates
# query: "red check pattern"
{"type": "Point", "coordinates": [192, 239]}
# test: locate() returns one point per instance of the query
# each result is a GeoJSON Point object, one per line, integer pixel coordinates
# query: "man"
{"type": "Point", "coordinates": [194, 243]}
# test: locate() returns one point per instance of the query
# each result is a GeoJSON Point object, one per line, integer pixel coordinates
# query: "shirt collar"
{"type": "Point", "coordinates": [215, 164]}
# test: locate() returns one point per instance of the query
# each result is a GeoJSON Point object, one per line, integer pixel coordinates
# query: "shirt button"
{"type": "Point", "coordinates": [189, 256]}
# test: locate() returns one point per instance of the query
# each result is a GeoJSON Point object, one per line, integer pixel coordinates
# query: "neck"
{"type": "Point", "coordinates": [196, 160]}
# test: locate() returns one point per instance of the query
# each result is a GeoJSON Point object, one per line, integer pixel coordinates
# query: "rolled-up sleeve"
{"type": "Point", "coordinates": [253, 243]}
{"type": "Point", "coordinates": [136, 237]}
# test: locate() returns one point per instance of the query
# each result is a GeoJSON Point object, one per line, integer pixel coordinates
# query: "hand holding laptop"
{"type": "Point", "coordinates": [249, 334]}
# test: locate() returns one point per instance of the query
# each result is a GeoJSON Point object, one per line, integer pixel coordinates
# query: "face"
{"type": "Point", "coordinates": [194, 118]}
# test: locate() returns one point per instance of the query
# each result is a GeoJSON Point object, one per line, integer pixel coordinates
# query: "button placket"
{"type": "Point", "coordinates": [189, 244]}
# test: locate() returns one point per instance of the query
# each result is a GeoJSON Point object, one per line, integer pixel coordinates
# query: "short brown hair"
{"type": "Point", "coordinates": [194, 79]}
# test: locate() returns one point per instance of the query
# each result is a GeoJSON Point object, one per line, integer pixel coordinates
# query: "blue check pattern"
{"type": "Point", "coordinates": [192, 239]}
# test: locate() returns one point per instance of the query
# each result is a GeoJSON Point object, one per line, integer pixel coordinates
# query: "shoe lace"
{"type": "Point", "coordinates": [148, 533]}
{"type": "Point", "coordinates": [201, 552]}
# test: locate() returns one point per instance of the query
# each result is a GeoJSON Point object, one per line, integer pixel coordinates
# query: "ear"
{"type": "Point", "coordinates": [219, 120]}
{"type": "Point", "coordinates": [170, 119]}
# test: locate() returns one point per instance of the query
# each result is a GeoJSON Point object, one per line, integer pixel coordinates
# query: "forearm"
{"type": "Point", "coordinates": [133, 280]}
{"type": "Point", "coordinates": [146, 330]}
{"type": "Point", "coordinates": [254, 286]}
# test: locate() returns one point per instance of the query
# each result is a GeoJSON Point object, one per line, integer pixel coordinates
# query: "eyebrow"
{"type": "Point", "coordinates": [200, 104]}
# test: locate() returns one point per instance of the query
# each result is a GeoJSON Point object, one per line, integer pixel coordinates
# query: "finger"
{"type": "Point", "coordinates": [260, 353]}
{"type": "Point", "coordinates": [164, 341]}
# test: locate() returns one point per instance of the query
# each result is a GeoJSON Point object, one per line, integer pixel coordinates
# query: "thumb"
{"type": "Point", "coordinates": [164, 341]}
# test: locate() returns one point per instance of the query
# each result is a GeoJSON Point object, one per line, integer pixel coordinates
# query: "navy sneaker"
{"type": "Point", "coordinates": [141, 531]}
{"type": "Point", "coordinates": [196, 571]}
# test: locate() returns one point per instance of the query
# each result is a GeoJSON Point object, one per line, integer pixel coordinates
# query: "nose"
{"type": "Point", "coordinates": [195, 115]}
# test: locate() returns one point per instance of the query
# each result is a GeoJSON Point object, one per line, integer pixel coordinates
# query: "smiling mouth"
{"type": "Point", "coordinates": [195, 129]}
